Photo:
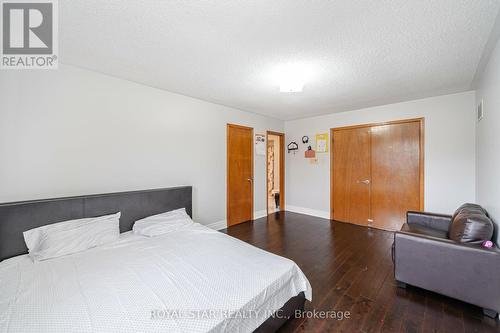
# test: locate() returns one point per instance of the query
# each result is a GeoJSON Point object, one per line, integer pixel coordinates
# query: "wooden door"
{"type": "Point", "coordinates": [377, 173]}
{"type": "Point", "coordinates": [351, 175]}
{"type": "Point", "coordinates": [239, 174]}
{"type": "Point", "coordinates": [395, 173]}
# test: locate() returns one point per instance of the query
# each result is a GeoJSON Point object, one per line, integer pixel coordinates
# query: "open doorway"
{"type": "Point", "coordinates": [275, 171]}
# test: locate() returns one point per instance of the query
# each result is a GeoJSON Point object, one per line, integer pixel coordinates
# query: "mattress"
{"type": "Point", "coordinates": [191, 280]}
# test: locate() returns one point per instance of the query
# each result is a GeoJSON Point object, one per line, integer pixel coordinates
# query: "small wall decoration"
{"type": "Point", "coordinates": [310, 153]}
{"type": "Point", "coordinates": [260, 144]}
{"type": "Point", "coordinates": [322, 143]}
{"type": "Point", "coordinates": [293, 147]}
{"type": "Point", "coordinates": [305, 139]}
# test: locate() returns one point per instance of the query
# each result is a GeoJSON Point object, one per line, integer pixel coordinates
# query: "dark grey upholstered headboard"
{"type": "Point", "coordinates": [17, 217]}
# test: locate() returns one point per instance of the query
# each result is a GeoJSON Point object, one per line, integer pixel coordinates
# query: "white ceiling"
{"type": "Point", "coordinates": [363, 52]}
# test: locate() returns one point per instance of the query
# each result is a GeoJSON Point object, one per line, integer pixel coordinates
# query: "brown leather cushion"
{"type": "Point", "coordinates": [470, 207]}
{"type": "Point", "coordinates": [471, 224]}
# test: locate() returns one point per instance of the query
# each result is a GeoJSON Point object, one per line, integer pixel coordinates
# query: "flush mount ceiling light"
{"type": "Point", "coordinates": [291, 77]}
{"type": "Point", "coordinates": [290, 86]}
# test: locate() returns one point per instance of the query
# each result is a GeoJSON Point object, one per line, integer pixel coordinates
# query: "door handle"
{"type": "Point", "coordinates": [366, 181]}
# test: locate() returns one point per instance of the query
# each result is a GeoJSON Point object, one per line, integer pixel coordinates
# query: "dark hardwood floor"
{"type": "Point", "coordinates": [350, 269]}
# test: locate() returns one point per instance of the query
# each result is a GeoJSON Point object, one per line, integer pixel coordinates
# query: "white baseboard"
{"type": "Point", "coordinates": [219, 225]}
{"type": "Point", "coordinates": [260, 213]}
{"type": "Point", "coordinates": [308, 211]}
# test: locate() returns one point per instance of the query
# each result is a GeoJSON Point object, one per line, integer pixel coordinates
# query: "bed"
{"type": "Point", "coordinates": [191, 280]}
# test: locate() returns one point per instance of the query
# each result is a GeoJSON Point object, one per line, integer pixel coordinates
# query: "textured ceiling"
{"type": "Point", "coordinates": [361, 52]}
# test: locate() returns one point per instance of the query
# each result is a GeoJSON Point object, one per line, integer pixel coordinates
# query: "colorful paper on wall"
{"type": "Point", "coordinates": [260, 144]}
{"type": "Point", "coordinates": [322, 143]}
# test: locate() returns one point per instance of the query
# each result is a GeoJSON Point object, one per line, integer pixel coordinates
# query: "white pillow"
{"type": "Point", "coordinates": [59, 239]}
{"type": "Point", "coordinates": [162, 223]}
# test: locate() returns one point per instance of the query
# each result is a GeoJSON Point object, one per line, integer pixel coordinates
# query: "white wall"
{"type": "Point", "coordinates": [73, 131]}
{"type": "Point", "coordinates": [449, 152]}
{"type": "Point", "coordinates": [488, 139]}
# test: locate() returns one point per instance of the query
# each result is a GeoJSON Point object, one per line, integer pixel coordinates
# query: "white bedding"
{"type": "Point", "coordinates": [130, 285]}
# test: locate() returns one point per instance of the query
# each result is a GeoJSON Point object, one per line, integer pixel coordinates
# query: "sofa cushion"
{"type": "Point", "coordinates": [470, 207]}
{"type": "Point", "coordinates": [471, 224]}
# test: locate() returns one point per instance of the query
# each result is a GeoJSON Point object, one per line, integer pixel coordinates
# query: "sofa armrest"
{"type": "Point", "coordinates": [465, 272]}
{"type": "Point", "coordinates": [429, 220]}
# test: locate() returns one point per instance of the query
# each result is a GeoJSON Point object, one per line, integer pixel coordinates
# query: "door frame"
{"type": "Point", "coordinates": [282, 169]}
{"type": "Point", "coordinates": [228, 194]}
{"type": "Point", "coordinates": [421, 122]}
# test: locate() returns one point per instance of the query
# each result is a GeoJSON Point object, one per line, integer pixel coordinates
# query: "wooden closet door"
{"type": "Point", "coordinates": [351, 175]}
{"type": "Point", "coordinates": [395, 173]}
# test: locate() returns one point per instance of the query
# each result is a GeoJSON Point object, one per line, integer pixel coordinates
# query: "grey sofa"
{"type": "Point", "coordinates": [424, 256]}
